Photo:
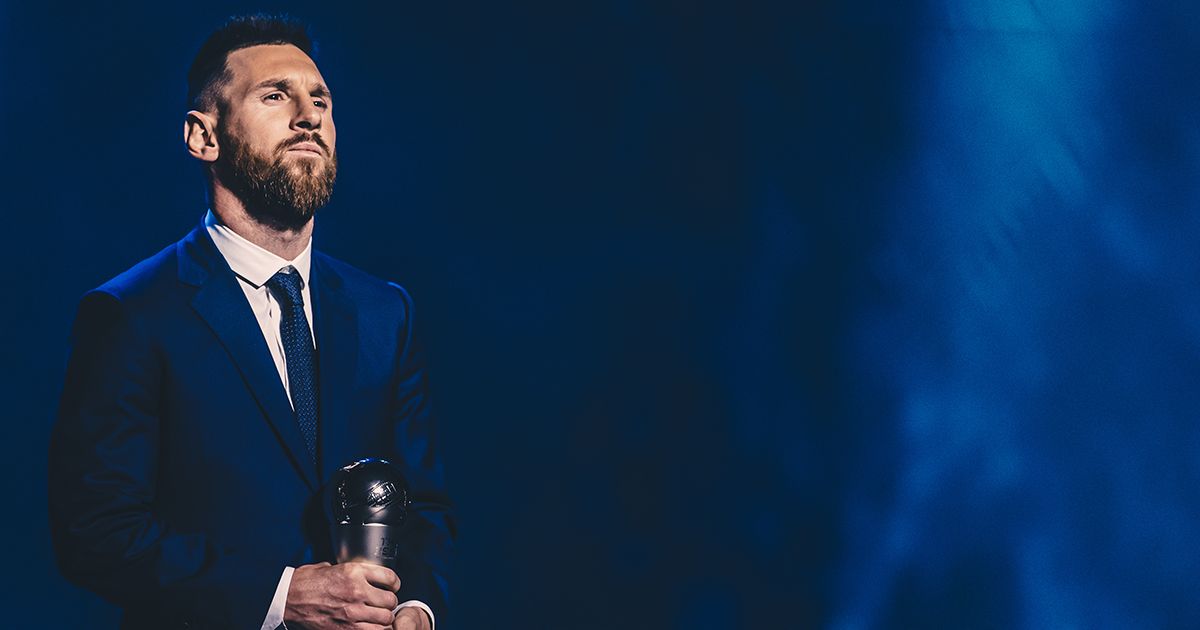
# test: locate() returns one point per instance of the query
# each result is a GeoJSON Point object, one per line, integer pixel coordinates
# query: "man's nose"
{"type": "Point", "coordinates": [308, 116]}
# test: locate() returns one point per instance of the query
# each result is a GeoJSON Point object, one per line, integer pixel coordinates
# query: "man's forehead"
{"type": "Point", "coordinates": [255, 63]}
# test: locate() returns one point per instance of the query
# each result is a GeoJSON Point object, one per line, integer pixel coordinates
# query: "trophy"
{"type": "Point", "coordinates": [370, 503]}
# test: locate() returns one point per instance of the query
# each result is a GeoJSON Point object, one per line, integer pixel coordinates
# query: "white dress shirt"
{"type": "Point", "coordinates": [253, 266]}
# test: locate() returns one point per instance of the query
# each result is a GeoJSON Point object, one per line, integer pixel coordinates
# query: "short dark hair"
{"type": "Point", "coordinates": [209, 74]}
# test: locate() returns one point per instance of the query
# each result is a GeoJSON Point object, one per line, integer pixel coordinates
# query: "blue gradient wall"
{"type": "Point", "coordinates": [1032, 332]}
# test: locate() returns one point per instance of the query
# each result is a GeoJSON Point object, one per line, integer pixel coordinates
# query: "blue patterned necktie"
{"type": "Point", "coordinates": [298, 351]}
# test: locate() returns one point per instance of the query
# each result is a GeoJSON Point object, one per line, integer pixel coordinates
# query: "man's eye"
{"type": "Point", "coordinates": [320, 104]}
{"type": "Point", "coordinates": [274, 96]}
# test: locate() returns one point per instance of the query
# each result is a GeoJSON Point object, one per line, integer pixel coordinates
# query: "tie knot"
{"type": "Point", "coordinates": [286, 287]}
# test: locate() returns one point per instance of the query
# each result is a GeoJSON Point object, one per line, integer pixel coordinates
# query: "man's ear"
{"type": "Point", "coordinates": [199, 134]}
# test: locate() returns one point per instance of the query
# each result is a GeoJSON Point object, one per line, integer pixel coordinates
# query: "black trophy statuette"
{"type": "Point", "coordinates": [370, 503]}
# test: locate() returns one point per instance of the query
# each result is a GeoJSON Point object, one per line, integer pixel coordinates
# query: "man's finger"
{"type": "Point", "coordinates": [380, 598]}
{"type": "Point", "coordinates": [361, 613]}
{"type": "Point", "coordinates": [382, 577]}
{"type": "Point", "coordinates": [409, 619]}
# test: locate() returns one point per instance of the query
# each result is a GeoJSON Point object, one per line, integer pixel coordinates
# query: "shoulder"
{"type": "Point", "coordinates": [143, 284]}
{"type": "Point", "coordinates": [365, 289]}
{"type": "Point", "coordinates": [128, 307]}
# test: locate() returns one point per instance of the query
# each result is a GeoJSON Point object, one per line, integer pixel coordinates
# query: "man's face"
{"type": "Point", "coordinates": [277, 135]}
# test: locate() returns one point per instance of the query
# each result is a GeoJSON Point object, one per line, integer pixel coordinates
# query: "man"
{"type": "Point", "coordinates": [214, 387]}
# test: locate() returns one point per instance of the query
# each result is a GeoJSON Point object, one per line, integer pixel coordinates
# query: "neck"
{"type": "Point", "coordinates": [230, 210]}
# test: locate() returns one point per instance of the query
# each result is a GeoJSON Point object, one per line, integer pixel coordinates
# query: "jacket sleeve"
{"type": "Point", "coordinates": [428, 538]}
{"type": "Point", "coordinates": [102, 466]}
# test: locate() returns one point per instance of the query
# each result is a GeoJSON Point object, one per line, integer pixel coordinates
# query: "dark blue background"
{"type": "Point", "coordinates": [741, 315]}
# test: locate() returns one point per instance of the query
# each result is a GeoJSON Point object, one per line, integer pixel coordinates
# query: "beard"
{"type": "Point", "coordinates": [276, 194]}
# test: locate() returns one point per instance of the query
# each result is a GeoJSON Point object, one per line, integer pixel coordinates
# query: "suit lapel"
{"type": "Point", "coordinates": [222, 304]}
{"type": "Point", "coordinates": [336, 327]}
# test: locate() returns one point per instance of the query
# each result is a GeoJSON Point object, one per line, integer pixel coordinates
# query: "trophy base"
{"type": "Point", "coordinates": [375, 543]}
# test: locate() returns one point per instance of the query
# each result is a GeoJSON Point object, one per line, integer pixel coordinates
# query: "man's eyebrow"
{"type": "Point", "coordinates": [320, 90]}
{"type": "Point", "coordinates": [285, 85]}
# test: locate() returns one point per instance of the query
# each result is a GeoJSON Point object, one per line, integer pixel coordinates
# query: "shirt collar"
{"type": "Point", "coordinates": [249, 261]}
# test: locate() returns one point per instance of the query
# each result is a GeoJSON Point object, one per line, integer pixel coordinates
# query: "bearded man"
{"type": "Point", "coordinates": [214, 388]}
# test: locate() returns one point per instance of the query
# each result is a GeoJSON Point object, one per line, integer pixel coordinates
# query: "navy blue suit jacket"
{"type": "Point", "coordinates": [180, 485]}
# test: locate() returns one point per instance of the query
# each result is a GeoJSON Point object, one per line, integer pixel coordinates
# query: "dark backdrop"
{"type": "Point", "coordinates": [741, 315]}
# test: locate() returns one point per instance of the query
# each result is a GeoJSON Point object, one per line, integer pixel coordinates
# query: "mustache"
{"type": "Point", "coordinates": [314, 138]}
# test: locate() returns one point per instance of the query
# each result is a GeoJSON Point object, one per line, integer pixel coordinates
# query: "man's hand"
{"type": "Point", "coordinates": [349, 595]}
{"type": "Point", "coordinates": [411, 618]}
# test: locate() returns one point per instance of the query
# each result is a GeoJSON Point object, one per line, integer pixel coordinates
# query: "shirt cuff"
{"type": "Point", "coordinates": [414, 603]}
{"type": "Point", "coordinates": [279, 602]}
